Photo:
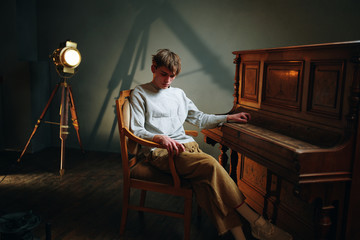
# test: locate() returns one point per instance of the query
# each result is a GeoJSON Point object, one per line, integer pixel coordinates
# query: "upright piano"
{"type": "Point", "coordinates": [298, 159]}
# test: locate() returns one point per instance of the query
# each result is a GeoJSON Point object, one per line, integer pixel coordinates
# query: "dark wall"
{"type": "Point", "coordinates": [116, 39]}
{"type": "Point", "coordinates": [25, 78]}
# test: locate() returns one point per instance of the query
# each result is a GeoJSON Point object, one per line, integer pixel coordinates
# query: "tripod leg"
{"type": "Point", "coordinates": [64, 114]}
{"type": "Point", "coordinates": [74, 118]}
{"type": "Point", "coordinates": [39, 120]}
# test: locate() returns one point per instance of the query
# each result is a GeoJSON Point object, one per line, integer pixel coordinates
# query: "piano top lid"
{"type": "Point", "coordinates": [301, 47]}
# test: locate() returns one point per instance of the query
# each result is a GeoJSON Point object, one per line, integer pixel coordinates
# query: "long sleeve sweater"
{"type": "Point", "coordinates": [163, 111]}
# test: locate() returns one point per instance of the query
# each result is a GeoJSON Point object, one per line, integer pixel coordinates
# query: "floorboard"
{"type": "Point", "coordinates": [86, 202]}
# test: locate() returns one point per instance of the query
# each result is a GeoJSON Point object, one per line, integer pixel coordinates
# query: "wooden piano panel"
{"type": "Point", "coordinates": [326, 88]}
{"type": "Point", "coordinates": [250, 81]}
{"type": "Point", "coordinates": [252, 181]}
{"type": "Point", "coordinates": [282, 85]}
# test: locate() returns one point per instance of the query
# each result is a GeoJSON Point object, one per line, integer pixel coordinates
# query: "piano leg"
{"type": "Point", "coordinates": [325, 226]}
{"type": "Point", "coordinates": [223, 158]}
{"type": "Point", "coordinates": [234, 160]}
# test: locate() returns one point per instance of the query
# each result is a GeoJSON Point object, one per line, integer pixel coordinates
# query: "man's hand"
{"type": "Point", "coordinates": [241, 117]}
{"type": "Point", "coordinates": [173, 147]}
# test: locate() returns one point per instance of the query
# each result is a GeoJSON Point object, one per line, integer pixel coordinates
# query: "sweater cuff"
{"type": "Point", "coordinates": [222, 119]}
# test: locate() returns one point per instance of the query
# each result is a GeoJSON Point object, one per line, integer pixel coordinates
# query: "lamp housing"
{"type": "Point", "coordinates": [66, 58]}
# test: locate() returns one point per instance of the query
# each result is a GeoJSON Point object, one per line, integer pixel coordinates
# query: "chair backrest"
{"type": "Point", "coordinates": [127, 145]}
{"type": "Point", "coordinates": [132, 146]}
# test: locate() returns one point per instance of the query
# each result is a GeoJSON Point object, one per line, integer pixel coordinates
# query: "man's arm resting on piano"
{"type": "Point", "coordinates": [241, 117]}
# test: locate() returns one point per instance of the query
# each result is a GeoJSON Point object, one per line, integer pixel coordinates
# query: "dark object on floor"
{"type": "Point", "coordinates": [18, 226]}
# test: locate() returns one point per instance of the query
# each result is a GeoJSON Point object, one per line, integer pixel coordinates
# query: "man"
{"type": "Point", "coordinates": [158, 112]}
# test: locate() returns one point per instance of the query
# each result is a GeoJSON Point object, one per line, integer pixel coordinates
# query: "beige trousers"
{"type": "Point", "coordinates": [215, 190]}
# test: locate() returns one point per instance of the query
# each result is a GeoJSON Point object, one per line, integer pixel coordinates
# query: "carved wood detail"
{"type": "Point", "coordinates": [236, 95]}
{"type": "Point", "coordinates": [223, 158]}
{"type": "Point", "coordinates": [355, 94]}
{"type": "Point", "coordinates": [234, 161]}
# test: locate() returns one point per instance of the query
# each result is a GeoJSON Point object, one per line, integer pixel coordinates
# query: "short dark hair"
{"type": "Point", "coordinates": [167, 58]}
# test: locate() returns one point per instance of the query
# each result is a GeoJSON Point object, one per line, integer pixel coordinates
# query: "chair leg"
{"type": "Point", "coordinates": [187, 217]}
{"type": "Point", "coordinates": [142, 202]}
{"type": "Point", "coordinates": [142, 197]}
{"type": "Point", "coordinates": [199, 214]}
{"type": "Point", "coordinates": [126, 197]}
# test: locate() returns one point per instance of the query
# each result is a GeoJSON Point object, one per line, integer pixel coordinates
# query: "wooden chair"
{"type": "Point", "coordinates": [141, 175]}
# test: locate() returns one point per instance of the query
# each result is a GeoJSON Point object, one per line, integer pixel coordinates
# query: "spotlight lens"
{"type": "Point", "coordinates": [72, 57]}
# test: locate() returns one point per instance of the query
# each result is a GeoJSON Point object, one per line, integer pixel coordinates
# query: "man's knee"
{"type": "Point", "coordinates": [208, 166]}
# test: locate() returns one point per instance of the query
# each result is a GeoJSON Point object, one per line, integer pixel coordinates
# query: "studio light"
{"type": "Point", "coordinates": [67, 59]}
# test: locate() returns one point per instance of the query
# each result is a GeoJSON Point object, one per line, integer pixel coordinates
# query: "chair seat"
{"type": "Point", "coordinates": [145, 171]}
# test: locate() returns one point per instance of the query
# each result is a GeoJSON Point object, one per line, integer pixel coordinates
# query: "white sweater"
{"type": "Point", "coordinates": [163, 111]}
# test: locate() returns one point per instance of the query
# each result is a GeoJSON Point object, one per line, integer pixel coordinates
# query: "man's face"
{"type": "Point", "coordinates": [162, 76]}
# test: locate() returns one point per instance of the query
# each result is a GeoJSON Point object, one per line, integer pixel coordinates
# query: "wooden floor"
{"type": "Point", "coordinates": [86, 202]}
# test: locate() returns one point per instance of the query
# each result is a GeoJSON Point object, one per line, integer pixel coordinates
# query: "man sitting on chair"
{"type": "Point", "coordinates": [158, 112]}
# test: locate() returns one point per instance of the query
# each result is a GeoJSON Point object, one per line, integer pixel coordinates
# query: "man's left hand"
{"type": "Point", "coordinates": [241, 117]}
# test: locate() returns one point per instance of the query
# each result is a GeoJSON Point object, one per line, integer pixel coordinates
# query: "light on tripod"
{"type": "Point", "coordinates": [67, 58]}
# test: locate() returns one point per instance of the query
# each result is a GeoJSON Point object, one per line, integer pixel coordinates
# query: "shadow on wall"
{"type": "Point", "coordinates": [123, 75]}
